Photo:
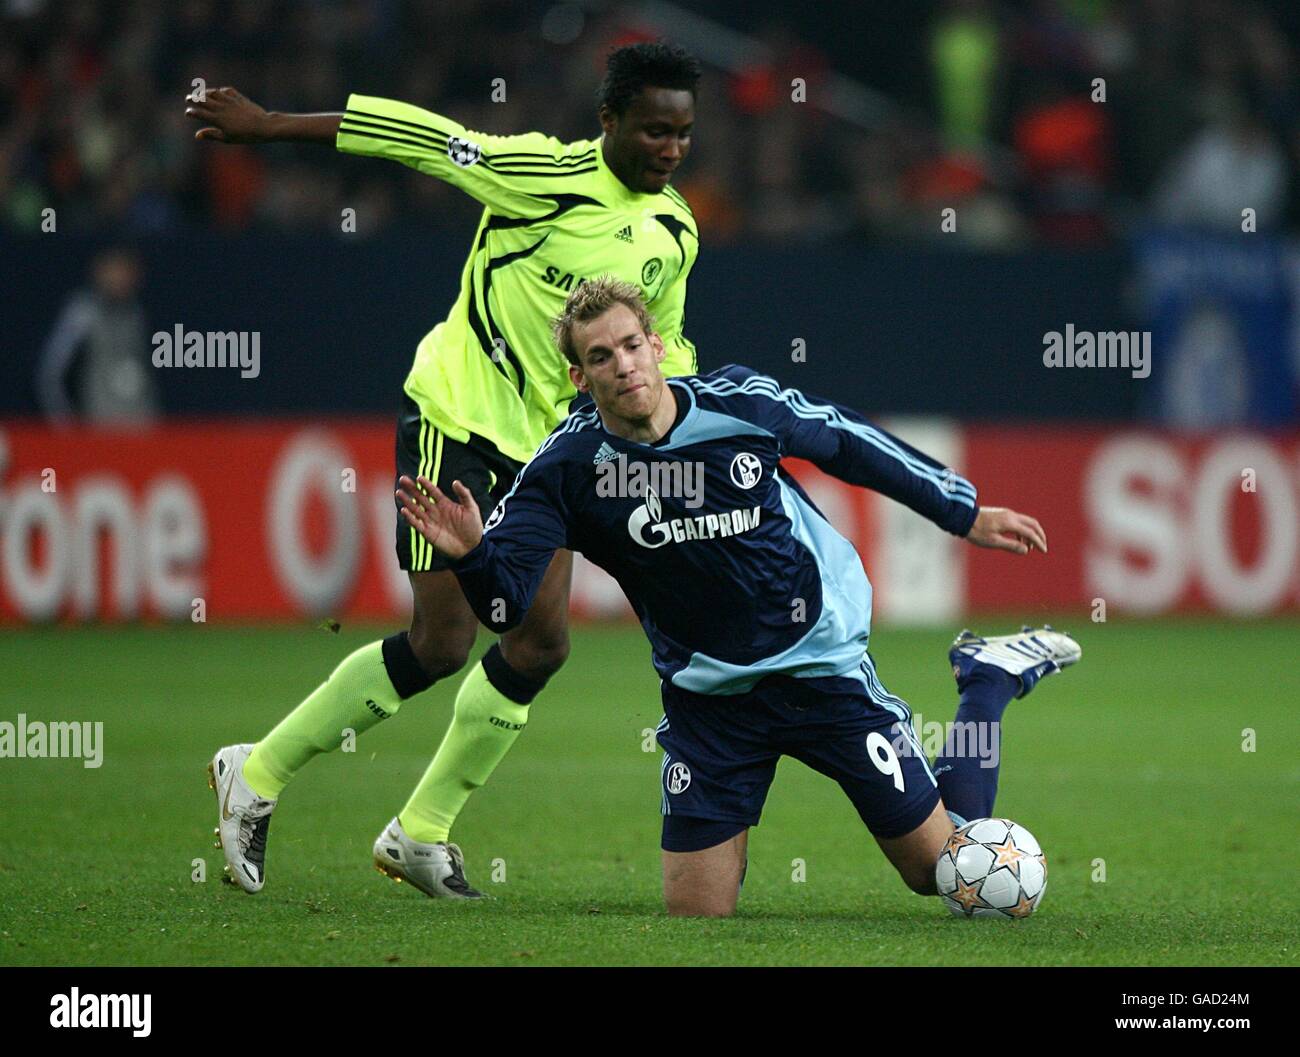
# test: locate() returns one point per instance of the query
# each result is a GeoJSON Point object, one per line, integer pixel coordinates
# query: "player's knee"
{"type": "Point", "coordinates": [441, 652]}
{"type": "Point", "coordinates": [699, 905]}
{"type": "Point", "coordinates": [920, 879]}
{"type": "Point", "coordinates": [537, 655]}
{"type": "Point", "coordinates": [549, 656]}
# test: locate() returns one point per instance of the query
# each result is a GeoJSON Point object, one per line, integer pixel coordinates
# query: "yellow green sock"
{"type": "Point", "coordinates": [484, 725]}
{"type": "Point", "coordinates": [355, 697]}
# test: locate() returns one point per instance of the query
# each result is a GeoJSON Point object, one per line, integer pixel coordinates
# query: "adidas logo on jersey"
{"type": "Point", "coordinates": [625, 234]}
{"type": "Point", "coordinates": [604, 454]}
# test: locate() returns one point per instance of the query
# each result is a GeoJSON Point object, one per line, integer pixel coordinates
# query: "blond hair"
{"type": "Point", "coordinates": [591, 300]}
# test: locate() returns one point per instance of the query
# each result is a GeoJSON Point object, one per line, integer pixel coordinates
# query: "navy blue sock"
{"type": "Point", "coordinates": [967, 768]}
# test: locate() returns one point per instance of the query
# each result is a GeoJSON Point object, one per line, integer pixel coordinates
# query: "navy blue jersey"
{"type": "Point", "coordinates": [731, 569]}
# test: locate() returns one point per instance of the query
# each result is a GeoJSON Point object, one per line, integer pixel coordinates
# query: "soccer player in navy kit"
{"type": "Point", "coordinates": [758, 611]}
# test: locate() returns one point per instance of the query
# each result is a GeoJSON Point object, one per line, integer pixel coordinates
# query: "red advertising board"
{"type": "Point", "coordinates": [1145, 522]}
{"type": "Point", "coordinates": [292, 519]}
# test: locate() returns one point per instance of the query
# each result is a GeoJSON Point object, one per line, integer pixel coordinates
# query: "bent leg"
{"type": "Point", "coordinates": [705, 883]}
{"type": "Point", "coordinates": [914, 854]}
{"type": "Point", "coordinates": [539, 646]}
{"type": "Point", "coordinates": [718, 764]}
{"type": "Point", "coordinates": [443, 627]}
{"type": "Point", "coordinates": [862, 737]}
{"type": "Point", "coordinates": [968, 766]}
{"type": "Point", "coordinates": [492, 708]}
{"type": "Point", "coordinates": [370, 684]}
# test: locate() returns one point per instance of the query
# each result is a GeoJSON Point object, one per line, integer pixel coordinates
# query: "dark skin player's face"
{"type": "Point", "coordinates": [646, 143]}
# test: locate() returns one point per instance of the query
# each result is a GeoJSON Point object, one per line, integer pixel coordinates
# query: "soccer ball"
{"type": "Point", "coordinates": [991, 867]}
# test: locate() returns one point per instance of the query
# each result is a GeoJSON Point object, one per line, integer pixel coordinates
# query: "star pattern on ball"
{"type": "Point", "coordinates": [968, 896]}
{"type": "Point", "coordinates": [1023, 908]}
{"type": "Point", "coordinates": [1008, 855]}
{"type": "Point", "coordinates": [957, 841]}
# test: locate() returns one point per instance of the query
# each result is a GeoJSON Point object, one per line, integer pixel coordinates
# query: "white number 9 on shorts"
{"type": "Point", "coordinates": [885, 758]}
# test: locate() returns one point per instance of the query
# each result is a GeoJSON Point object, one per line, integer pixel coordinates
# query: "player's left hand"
{"type": "Point", "coordinates": [453, 528]}
{"type": "Point", "coordinates": [1006, 530]}
{"type": "Point", "coordinates": [231, 117]}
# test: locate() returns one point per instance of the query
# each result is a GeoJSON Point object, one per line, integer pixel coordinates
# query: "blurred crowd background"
{"type": "Point", "coordinates": [986, 106]}
{"type": "Point", "coordinates": [1101, 156]}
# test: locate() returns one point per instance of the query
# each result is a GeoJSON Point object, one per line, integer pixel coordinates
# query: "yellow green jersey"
{"type": "Point", "coordinates": [554, 215]}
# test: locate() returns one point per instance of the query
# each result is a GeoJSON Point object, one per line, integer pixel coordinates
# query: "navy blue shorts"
{"type": "Point", "coordinates": [720, 755]}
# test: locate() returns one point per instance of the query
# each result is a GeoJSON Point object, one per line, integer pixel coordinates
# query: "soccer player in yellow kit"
{"type": "Point", "coordinates": [486, 388]}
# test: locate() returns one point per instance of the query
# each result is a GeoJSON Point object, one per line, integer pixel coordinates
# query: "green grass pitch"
{"type": "Point", "coordinates": [1135, 757]}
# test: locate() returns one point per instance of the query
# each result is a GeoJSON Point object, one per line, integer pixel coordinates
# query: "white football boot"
{"type": "Point", "coordinates": [437, 870]}
{"type": "Point", "coordinates": [243, 818]}
{"type": "Point", "coordinates": [1029, 656]}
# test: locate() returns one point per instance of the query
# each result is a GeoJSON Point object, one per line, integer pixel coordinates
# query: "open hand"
{"type": "Point", "coordinates": [1005, 530]}
{"type": "Point", "coordinates": [230, 117]}
{"type": "Point", "coordinates": [453, 528]}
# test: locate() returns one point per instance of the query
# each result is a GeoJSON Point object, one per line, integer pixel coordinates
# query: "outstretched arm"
{"type": "Point", "coordinates": [516, 176]}
{"type": "Point", "coordinates": [844, 444]}
{"type": "Point", "coordinates": [230, 117]}
{"type": "Point", "coordinates": [499, 567]}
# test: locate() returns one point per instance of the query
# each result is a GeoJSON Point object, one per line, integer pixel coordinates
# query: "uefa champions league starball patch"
{"type": "Point", "coordinates": [463, 152]}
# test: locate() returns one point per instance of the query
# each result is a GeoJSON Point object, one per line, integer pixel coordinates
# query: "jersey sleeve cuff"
{"type": "Point", "coordinates": [472, 561]}
{"type": "Point", "coordinates": [966, 520]}
{"type": "Point", "coordinates": [343, 140]}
